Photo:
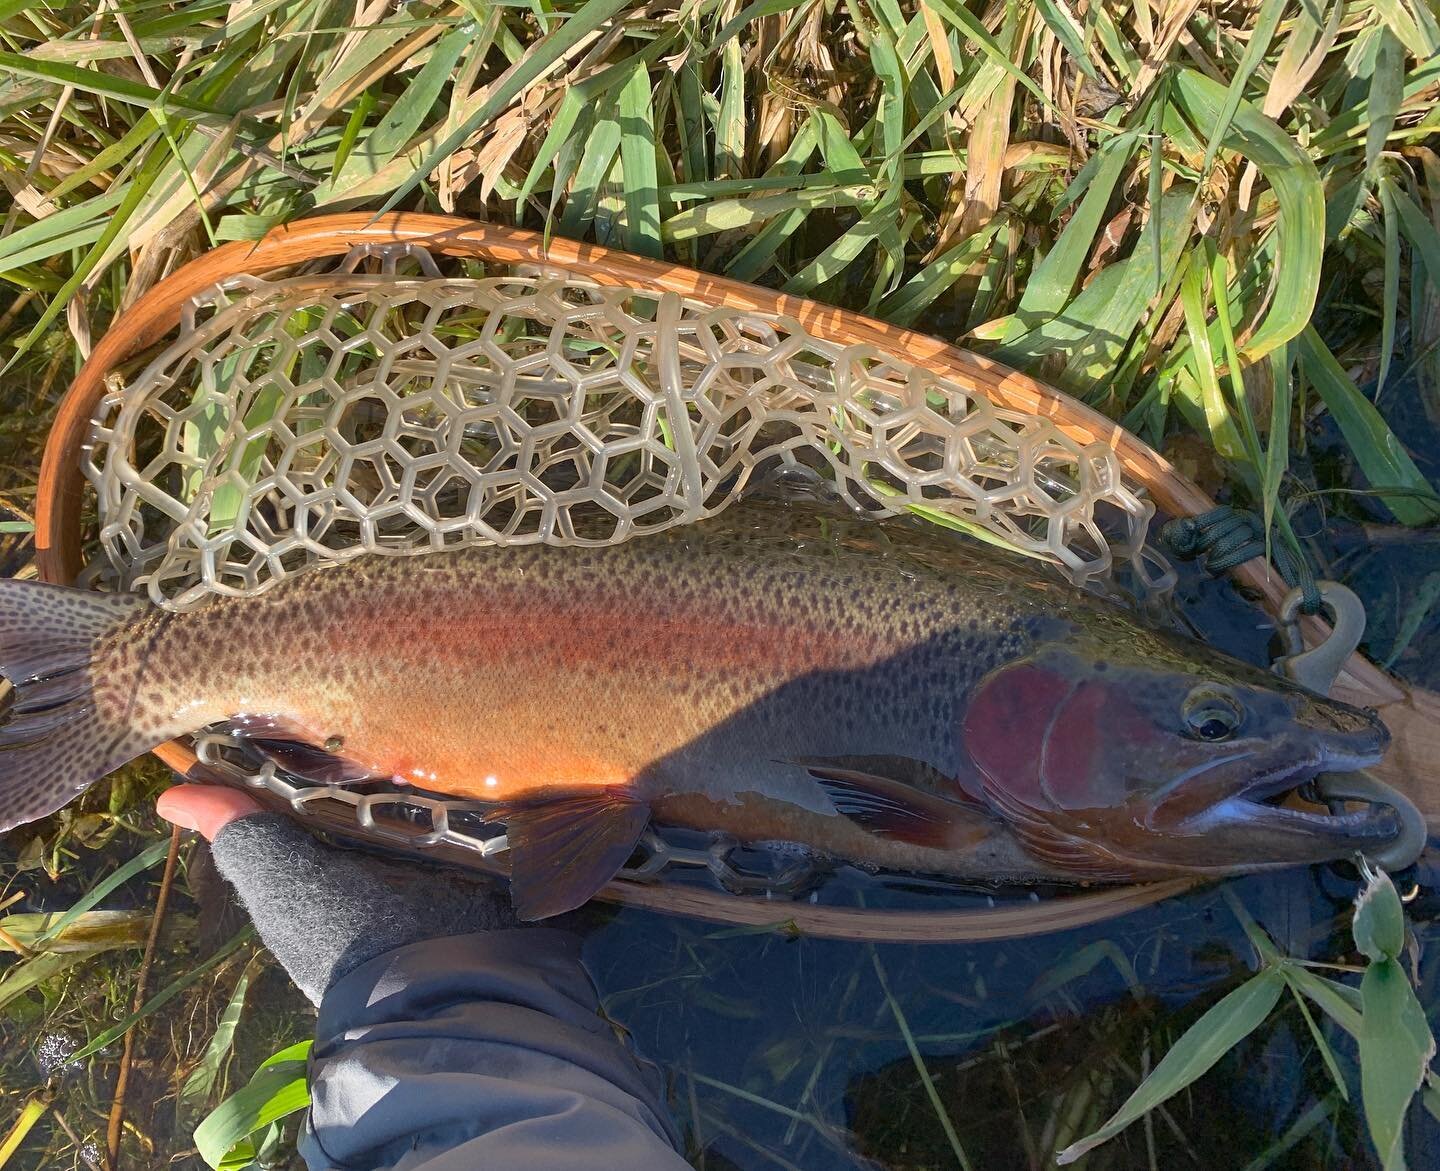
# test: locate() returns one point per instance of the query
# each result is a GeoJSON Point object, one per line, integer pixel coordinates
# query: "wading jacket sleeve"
{"type": "Point", "coordinates": [480, 1052]}
{"type": "Point", "coordinates": [449, 1039]}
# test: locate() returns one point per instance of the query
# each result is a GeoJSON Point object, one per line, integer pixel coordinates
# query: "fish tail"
{"type": "Point", "coordinates": [54, 740]}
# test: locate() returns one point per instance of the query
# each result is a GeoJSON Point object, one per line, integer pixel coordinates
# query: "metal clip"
{"type": "Point", "coordinates": [1334, 789]}
{"type": "Point", "coordinates": [1319, 667]}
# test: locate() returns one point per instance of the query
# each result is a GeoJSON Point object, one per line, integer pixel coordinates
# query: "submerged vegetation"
{"type": "Point", "coordinates": [1219, 224]}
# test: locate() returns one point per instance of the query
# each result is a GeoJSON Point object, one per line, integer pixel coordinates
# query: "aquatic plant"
{"type": "Point", "coordinates": [1219, 224]}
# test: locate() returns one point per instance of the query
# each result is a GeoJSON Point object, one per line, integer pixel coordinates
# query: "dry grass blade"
{"type": "Point", "coordinates": [142, 980]}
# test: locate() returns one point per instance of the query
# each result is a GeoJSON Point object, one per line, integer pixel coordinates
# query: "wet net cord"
{"type": "Point", "coordinates": [1225, 537]}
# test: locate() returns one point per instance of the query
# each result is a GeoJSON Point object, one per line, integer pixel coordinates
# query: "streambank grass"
{"type": "Point", "coordinates": [1219, 224]}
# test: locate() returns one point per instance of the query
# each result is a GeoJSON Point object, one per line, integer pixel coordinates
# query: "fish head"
{"type": "Point", "coordinates": [1163, 756]}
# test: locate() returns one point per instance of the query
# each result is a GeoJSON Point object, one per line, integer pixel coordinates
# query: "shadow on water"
{"type": "Point", "coordinates": [825, 1055]}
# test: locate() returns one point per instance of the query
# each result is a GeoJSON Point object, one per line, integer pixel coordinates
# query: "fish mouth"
{"type": "Point", "coordinates": [1263, 801]}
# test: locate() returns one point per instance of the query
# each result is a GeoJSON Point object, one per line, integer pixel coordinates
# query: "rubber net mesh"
{"type": "Point", "coordinates": [314, 417]}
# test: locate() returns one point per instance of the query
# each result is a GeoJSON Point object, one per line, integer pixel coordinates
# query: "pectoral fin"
{"type": "Point", "coordinates": [565, 849]}
{"type": "Point", "coordinates": [893, 809]}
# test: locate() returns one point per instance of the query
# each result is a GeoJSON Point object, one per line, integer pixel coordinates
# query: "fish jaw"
{"type": "Point", "coordinates": [1260, 815]}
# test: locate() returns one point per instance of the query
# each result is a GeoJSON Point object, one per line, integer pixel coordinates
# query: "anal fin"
{"type": "Point", "coordinates": [893, 809]}
{"type": "Point", "coordinates": [565, 849]}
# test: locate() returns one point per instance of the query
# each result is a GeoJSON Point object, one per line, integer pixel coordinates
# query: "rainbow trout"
{"type": "Point", "coordinates": [775, 673]}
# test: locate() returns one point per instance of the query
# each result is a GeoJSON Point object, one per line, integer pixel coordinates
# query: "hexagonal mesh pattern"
{"type": "Point", "coordinates": [312, 418]}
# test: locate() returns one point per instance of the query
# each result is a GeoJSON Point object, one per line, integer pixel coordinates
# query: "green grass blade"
{"type": "Point", "coordinates": [690, 123]}
{"type": "Point", "coordinates": [535, 64]}
{"type": "Point", "coordinates": [1223, 432]}
{"type": "Point", "coordinates": [937, 1105]}
{"type": "Point", "coordinates": [1239, 401]}
{"type": "Point", "coordinates": [130, 145]}
{"type": "Point", "coordinates": [1390, 289]}
{"type": "Point", "coordinates": [163, 997]}
{"type": "Point", "coordinates": [562, 126]}
{"type": "Point", "coordinates": [1327, 1053]}
{"type": "Point", "coordinates": [759, 253]}
{"type": "Point", "coordinates": [751, 12]}
{"type": "Point", "coordinates": [1061, 21]}
{"type": "Point", "coordinates": [275, 1092]}
{"type": "Point", "coordinates": [119, 220]}
{"type": "Point", "coordinates": [1387, 87]}
{"type": "Point", "coordinates": [1414, 26]}
{"type": "Point", "coordinates": [926, 286]}
{"type": "Point", "coordinates": [1387, 465]}
{"type": "Point", "coordinates": [203, 1079]}
{"type": "Point", "coordinates": [402, 119]}
{"type": "Point", "coordinates": [1354, 121]}
{"type": "Point", "coordinates": [1223, 1027]}
{"type": "Point", "coordinates": [728, 215]}
{"type": "Point", "coordinates": [1093, 329]}
{"type": "Point", "coordinates": [30, 973]}
{"type": "Point", "coordinates": [971, 28]}
{"type": "Point", "coordinates": [1339, 1002]}
{"type": "Point", "coordinates": [1050, 284]}
{"type": "Point", "coordinates": [1419, 229]}
{"type": "Point", "coordinates": [101, 890]}
{"type": "Point", "coordinates": [637, 158]}
{"type": "Point", "coordinates": [601, 150]}
{"type": "Point", "coordinates": [730, 118]}
{"type": "Point", "coordinates": [843, 252]}
{"type": "Point", "coordinates": [1422, 600]}
{"type": "Point", "coordinates": [1300, 222]}
{"type": "Point", "coordinates": [1256, 47]}
{"type": "Point", "coordinates": [9, 8]}
{"type": "Point", "coordinates": [59, 232]}
{"type": "Point", "coordinates": [1277, 450]}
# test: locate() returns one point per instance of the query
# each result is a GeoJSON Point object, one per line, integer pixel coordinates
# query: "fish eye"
{"type": "Point", "coordinates": [1212, 715]}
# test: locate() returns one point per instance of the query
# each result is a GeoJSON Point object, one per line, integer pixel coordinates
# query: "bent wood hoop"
{"type": "Point", "coordinates": [1413, 715]}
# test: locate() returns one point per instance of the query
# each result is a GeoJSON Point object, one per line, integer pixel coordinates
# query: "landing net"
{"type": "Point", "coordinates": [315, 416]}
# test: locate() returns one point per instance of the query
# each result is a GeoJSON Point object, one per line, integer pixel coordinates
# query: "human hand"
{"type": "Point", "coordinates": [206, 809]}
{"type": "Point", "coordinates": [324, 911]}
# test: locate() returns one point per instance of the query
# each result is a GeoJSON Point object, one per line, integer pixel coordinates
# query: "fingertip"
{"type": "Point", "coordinates": [205, 808]}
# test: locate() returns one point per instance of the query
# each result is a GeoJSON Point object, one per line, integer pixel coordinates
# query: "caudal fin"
{"type": "Point", "coordinates": [53, 741]}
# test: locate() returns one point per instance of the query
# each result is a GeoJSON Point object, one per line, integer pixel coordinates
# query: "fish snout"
{"type": "Point", "coordinates": [1349, 735]}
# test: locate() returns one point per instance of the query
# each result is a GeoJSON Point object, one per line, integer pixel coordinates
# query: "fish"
{"type": "Point", "coordinates": [776, 673]}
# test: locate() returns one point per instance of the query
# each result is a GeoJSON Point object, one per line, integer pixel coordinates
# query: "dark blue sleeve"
{"type": "Point", "coordinates": [480, 1052]}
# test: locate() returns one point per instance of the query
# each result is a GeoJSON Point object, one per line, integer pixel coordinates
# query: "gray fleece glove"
{"type": "Point", "coordinates": [323, 912]}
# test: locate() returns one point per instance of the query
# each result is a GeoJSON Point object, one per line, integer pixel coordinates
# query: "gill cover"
{"type": "Point", "coordinates": [1055, 741]}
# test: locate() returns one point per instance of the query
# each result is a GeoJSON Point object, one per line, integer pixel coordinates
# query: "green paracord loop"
{"type": "Point", "coordinates": [1225, 537]}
